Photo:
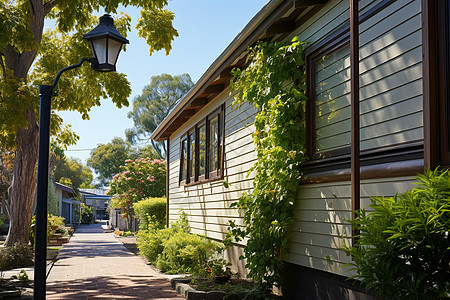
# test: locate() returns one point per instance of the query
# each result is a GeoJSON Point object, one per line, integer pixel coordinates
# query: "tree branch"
{"type": "Point", "coordinates": [49, 6]}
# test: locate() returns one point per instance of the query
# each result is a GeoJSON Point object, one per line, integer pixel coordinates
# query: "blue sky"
{"type": "Point", "coordinates": [205, 29]}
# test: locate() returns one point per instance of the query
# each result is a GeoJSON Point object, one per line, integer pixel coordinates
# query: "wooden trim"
{"type": "Point", "coordinates": [386, 170]}
{"type": "Point", "coordinates": [167, 182]}
{"type": "Point", "coordinates": [202, 101]}
{"type": "Point", "coordinates": [355, 136]}
{"type": "Point", "coordinates": [430, 88]}
{"type": "Point", "coordinates": [306, 3]}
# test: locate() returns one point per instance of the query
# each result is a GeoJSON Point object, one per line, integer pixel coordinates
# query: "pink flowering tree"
{"type": "Point", "coordinates": [138, 179]}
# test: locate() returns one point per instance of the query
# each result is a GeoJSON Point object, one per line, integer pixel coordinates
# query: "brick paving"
{"type": "Point", "coordinates": [94, 265]}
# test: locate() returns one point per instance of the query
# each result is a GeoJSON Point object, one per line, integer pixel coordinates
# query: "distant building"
{"type": "Point", "coordinates": [97, 199]}
{"type": "Point", "coordinates": [69, 205]}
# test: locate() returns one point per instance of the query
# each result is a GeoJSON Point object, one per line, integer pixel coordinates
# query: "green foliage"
{"type": "Point", "coordinates": [154, 104]}
{"type": "Point", "coordinates": [181, 224]}
{"type": "Point", "coordinates": [140, 179]}
{"type": "Point", "coordinates": [187, 253]}
{"type": "Point", "coordinates": [53, 224]}
{"type": "Point", "coordinates": [22, 276]}
{"type": "Point", "coordinates": [106, 159]}
{"type": "Point", "coordinates": [403, 250]}
{"type": "Point", "coordinates": [176, 250]}
{"type": "Point", "coordinates": [151, 242]}
{"type": "Point", "coordinates": [18, 256]}
{"type": "Point", "coordinates": [151, 213]}
{"type": "Point", "coordinates": [274, 83]}
{"type": "Point", "coordinates": [87, 214]}
{"type": "Point", "coordinates": [72, 172]}
{"type": "Point", "coordinates": [52, 198]}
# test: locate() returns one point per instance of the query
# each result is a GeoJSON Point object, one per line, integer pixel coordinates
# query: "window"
{"type": "Point", "coordinates": [329, 93]}
{"type": "Point", "coordinates": [201, 150]}
{"type": "Point", "coordinates": [443, 64]}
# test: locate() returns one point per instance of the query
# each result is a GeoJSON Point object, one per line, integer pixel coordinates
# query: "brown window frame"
{"type": "Point", "coordinates": [334, 43]}
{"type": "Point", "coordinates": [443, 64]}
{"type": "Point", "coordinates": [403, 159]}
{"type": "Point", "coordinates": [210, 175]}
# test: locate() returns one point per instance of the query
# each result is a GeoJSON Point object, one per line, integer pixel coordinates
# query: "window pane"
{"type": "Point", "coordinates": [202, 150]}
{"type": "Point", "coordinates": [183, 159]}
{"type": "Point", "coordinates": [192, 155]}
{"type": "Point", "coordinates": [214, 144]}
{"type": "Point", "coordinates": [332, 100]}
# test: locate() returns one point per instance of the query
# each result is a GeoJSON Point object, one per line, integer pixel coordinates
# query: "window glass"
{"type": "Point", "coordinates": [183, 166]}
{"type": "Point", "coordinates": [214, 144]}
{"type": "Point", "coordinates": [331, 92]}
{"type": "Point", "coordinates": [202, 150]}
{"type": "Point", "coordinates": [192, 155]}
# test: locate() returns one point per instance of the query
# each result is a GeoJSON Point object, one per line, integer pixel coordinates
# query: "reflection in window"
{"type": "Point", "coordinates": [202, 150]}
{"type": "Point", "coordinates": [332, 100]}
{"type": "Point", "coordinates": [214, 143]}
{"type": "Point", "coordinates": [183, 167]}
{"type": "Point", "coordinates": [192, 155]}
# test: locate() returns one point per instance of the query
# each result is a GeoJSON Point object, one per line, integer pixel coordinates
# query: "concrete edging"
{"type": "Point", "coordinates": [183, 288]}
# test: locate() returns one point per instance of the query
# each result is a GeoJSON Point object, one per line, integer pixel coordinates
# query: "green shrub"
{"type": "Point", "coordinates": [404, 247]}
{"type": "Point", "coordinates": [151, 212]}
{"type": "Point", "coordinates": [54, 223]}
{"type": "Point", "coordinates": [151, 243]}
{"type": "Point", "coordinates": [175, 250]}
{"type": "Point", "coordinates": [187, 253]}
{"type": "Point", "coordinates": [87, 214]}
{"type": "Point", "coordinates": [18, 256]}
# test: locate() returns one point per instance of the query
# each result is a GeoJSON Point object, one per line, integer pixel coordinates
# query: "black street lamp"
{"type": "Point", "coordinates": [106, 43]}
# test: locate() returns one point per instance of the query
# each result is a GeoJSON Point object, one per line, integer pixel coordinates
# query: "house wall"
{"type": "Point", "coordinates": [391, 113]}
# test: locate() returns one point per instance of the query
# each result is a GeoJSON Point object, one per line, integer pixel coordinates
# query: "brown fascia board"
{"type": "Point", "coordinates": [254, 30]}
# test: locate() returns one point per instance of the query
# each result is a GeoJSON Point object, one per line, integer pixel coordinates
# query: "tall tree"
{"type": "Point", "coordinates": [21, 40]}
{"type": "Point", "coordinates": [106, 159]}
{"type": "Point", "coordinates": [154, 104]}
{"type": "Point", "coordinates": [73, 171]}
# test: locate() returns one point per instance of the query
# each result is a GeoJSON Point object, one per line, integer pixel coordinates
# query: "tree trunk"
{"type": "Point", "coordinates": [23, 185]}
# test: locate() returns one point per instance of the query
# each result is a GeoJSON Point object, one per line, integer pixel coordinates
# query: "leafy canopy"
{"type": "Point", "coordinates": [72, 172]}
{"type": "Point", "coordinates": [154, 104]}
{"type": "Point", "coordinates": [106, 159]}
{"type": "Point", "coordinates": [21, 24]}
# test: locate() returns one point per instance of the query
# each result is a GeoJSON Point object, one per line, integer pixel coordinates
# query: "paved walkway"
{"type": "Point", "coordinates": [94, 265]}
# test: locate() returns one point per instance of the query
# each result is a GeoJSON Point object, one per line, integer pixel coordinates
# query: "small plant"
{"type": "Point", "coordinates": [22, 276]}
{"type": "Point", "coordinates": [219, 267]}
{"type": "Point", "coordinates": [118, 232]}
{"type": "Point", "coordinates": [403, 250]}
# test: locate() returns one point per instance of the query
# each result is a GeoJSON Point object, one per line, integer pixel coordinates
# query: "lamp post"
{"type": "Point", "coordinates": [106, 43]}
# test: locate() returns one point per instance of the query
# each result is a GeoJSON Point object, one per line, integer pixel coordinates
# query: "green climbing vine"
{"type": "Point", "coordinates": [273, 81]}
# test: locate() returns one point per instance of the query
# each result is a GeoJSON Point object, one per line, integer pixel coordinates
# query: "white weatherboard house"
{"type": "Point", "coordinates": [404, 127]}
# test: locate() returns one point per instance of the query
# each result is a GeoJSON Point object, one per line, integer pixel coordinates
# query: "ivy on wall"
{"type": "Point", "coordinates": [274, 82]}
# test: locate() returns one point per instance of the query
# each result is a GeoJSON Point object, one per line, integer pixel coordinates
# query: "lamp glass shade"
{"type": "Point", "coordinates": [106, 43]}
{"type": "Point", "coordinates": [114, 47]}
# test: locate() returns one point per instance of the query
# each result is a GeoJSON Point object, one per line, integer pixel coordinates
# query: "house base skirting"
{"type": "Point", "coordinates": [306, 283]}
